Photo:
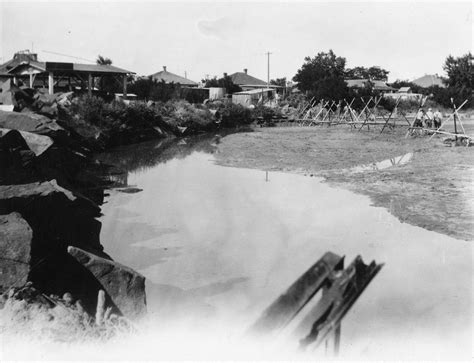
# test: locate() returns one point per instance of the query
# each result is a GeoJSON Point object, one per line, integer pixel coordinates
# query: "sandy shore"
{"type": "Point", "coordinates": [433, 190]}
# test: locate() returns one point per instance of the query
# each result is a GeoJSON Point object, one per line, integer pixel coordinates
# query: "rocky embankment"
{"type": "Point", "coordinates": [50, 249]}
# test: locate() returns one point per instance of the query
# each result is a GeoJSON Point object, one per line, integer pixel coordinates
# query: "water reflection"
{"type": "Point", "coordinates": [381, 165]}
{"type": "Point", "coordinates": [140, 157]}
{"type": "Point", "coordinates": [218, 245]}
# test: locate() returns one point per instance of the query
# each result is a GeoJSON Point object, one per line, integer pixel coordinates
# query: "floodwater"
{"type": "Point", "coordinates": [217, 246]}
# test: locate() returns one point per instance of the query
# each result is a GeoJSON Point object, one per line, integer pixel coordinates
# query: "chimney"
{"type": "Point", "coordinates": [225, 74]}
{"type": "Point", "coordinates": [245, 70]}
{"type": "Point", "coordinates": [164, 68]}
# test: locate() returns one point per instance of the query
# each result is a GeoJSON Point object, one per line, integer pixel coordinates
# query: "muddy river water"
{"type": "Point", "coordinates": [217, 245]}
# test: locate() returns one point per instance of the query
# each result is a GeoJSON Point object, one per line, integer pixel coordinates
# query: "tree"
{"type": "Point", "coordinates": [279, 82]}
{"type": "Point", "coordinates": [460, 71]}
{"type": "Point", "coordinates": [224, 82]}
{"type": "Point", "coordinates": [373, 73]}
{"type": "Point", "coordinates": [460, 82]}
{"type": "Point", "coordinates": [142, 87]}
{"type": "Point", "coordinates": [323, 76]}
{"type": "Point", "coordinates": [107, 83]}
{"type": "Point", "coordinates": [103, 61]}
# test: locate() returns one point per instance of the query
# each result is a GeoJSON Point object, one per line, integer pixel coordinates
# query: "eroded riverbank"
{"type": "Point", "coordinates": [433, 191]}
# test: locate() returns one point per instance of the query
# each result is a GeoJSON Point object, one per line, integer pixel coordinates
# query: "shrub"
{"type": "Point", "coordinates": [294, 100]}
{"type": "Point", "coordinates": [182, 113]}
{"type": "Point", "coordinates": [187, 114]}
{"type": "Point", "coordinates": [266, 113]}
{"type": "Point", "coordinates": [232, 115]}
{"type": "Point", "coordinates": [116, 114]}
{"type": "Point", "coordinates": [138, 114]}
{"type": "Point", "coordinates": [88, 108]}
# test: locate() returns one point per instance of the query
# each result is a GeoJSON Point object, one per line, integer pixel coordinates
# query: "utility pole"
{"type": "Point", "coordinates": [268, 68]}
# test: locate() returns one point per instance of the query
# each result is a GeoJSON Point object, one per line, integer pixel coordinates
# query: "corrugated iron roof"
{"type": "Point", "coordinates": [243, 79]}
{"type": "Point", "coordinates": [404, 89]}
{"type": "Point", "coordinates": [360, 83]}
{"type": "Point", "coordinates": [356, 82]}
{"type": "Point", "coordinates": [98, 68]}
{"type": "Point", "coordinates": [169, 77]}
{"type": "Point", "coordinates": [40, 66]}
{"type": "Point", "coordinates": [254, 91]}
{"type": "Point", "coordinates": [13, 64]}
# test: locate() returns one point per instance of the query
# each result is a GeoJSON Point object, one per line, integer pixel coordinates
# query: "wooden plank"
{"type": "Point", "coordinates": [445, 121]}
{"type": "Point", "coordinates": [285, 308]}
{"type": "Point", "coordinates": [391, 113]}
{"type": "Point", "coordinates": [434, 131]}
{"type": "Point", "coordinates": [336, 301]}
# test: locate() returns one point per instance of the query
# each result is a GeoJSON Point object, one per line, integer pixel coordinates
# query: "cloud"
{"type": "Point", "coordinates": [221, 28]}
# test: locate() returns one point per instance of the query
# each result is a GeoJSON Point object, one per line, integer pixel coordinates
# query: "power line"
{"type": "Point", "coordinates": [70, 56]}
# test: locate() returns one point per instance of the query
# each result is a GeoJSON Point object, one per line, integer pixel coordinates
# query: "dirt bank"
{"type": "Point", "coordinates": [433, 191]}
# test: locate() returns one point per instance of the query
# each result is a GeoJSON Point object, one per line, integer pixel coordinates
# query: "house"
{"type": "Point", "coordinates": [168, 77]}
{"type": "Point", "coordinates": [253, 96]}
{"type": "Point", "coordinates": [429, 80]}
{"type": "Point", "coordinates": [25, 66]}
{"type": "Point", "coordinates": [246, 81]}
{"type": "Point", "coordinates": [361, 83]}
{"type": "Point", "coordinates": [404, 90]}
{"type": "Point", "coordinates": [404, 93]}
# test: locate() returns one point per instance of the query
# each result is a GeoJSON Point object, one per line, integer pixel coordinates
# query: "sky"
{"type": "Point", "coordinates": [409, 38]}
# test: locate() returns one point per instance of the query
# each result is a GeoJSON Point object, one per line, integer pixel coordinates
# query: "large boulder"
{"type": "Point", "coordinates": [124, 286]}
{"type": "Point", "coordinates": [13, 95]}
{"type": "Point", "coordinates": [56, 215]}
{"type": "Point", "coordinates": [15, 248]}
{"type": "Point", "coordinates": [36, 143]}
{"type": "Point", "coordinates": [58, 218]}
{"type": "Point", "coordinates": [16, 159]}
{"type": "Point", "coordinates": [26, 157]}
{"type": "Point", "coordinates": [31, 122]}
{"type": "Point", "coordinates": [46, 104]}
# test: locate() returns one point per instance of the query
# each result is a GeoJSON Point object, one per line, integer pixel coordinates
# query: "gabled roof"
{"type": "Point", "coordinates": [243, 79]}
{"type": "Point", "coordinates": [429, 80]}
{"type": "Point", "coordinates": [169, 77]}
{"type": "Point", "coordinates": [38, 66]}
{"type": "Point", "coordinates": [7, 65]}
{"type": "Point", "coordinates": [98, 68]}
{"type": "Point", "coordinates": [254, 91]}
{"type": "Point", "coordinates": [68, 67]}
{"type": "Point", "coordinates": [404, 89]}
{"type": "Point", "coordinates": [382, 86]}
{"type": "Point", "coordinates": [361, 83]}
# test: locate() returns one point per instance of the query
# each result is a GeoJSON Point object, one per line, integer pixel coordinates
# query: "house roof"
{"type": "Point", "coordinates": [404, 89]}
{"type": "Point", "coordinates": [244, 79]}
{"type": "Point", "coordinates": [27, 65]}
{"type": "Point", "coordinates": [68, 67]}
{"type": "Point", "coordinates": [360, 83]}
{"type": "Point", "coordinates": [254, 91]}
{"type": "Point", "coordinates": [98, 68]}
{"type": "Point", "coordinates": [169, 77]}
{"type": "Point", "coordinates": [429, 80]}
{"type": "Point", "coordinates": [25, 59]}
{"type": "Point", "coordinates": [382, 86]}
{"type": "Point", "coordinates": [356, 82]}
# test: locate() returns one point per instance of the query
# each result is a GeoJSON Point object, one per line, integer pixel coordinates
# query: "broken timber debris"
{"type": "Point", "coordinates": [340, 290]}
